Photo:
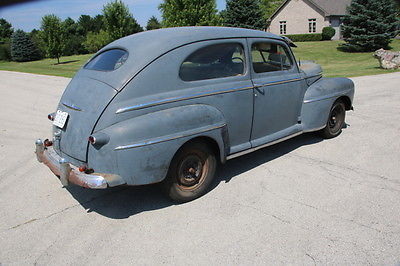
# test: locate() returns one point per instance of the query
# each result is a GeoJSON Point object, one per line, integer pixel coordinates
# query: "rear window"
{"type": "Point", "coordinates": [108, 60]}
{"type": "Point", "coordinates": [214, 61]}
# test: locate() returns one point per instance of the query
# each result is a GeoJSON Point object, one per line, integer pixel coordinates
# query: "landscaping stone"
{"type": "Point", "coordinates": [388, 59]}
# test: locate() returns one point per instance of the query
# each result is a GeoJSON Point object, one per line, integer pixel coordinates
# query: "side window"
{"type": "Point", "coordinates": [270, 57]}
{"type": "Point", "coordinates": [214, 61]}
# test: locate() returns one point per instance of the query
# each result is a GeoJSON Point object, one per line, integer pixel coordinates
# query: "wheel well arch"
{"type": "Point", "coordinates": [212, 143]}
{"type": "Point", "coordinates": [347, 102]}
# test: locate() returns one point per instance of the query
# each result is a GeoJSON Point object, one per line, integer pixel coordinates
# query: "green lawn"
{"type": "Point", "coordinates": [334, 63]}
{"type": "Point", "coordinates": [67, 67]}
{"type": "Point", "coordinates": [340, 64]}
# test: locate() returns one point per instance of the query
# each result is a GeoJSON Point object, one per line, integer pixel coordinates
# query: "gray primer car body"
{"type": "Point", "coordinates": [143, 112]}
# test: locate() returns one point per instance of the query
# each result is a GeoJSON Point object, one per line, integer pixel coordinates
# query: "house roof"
{"type": "Point", "coordinates": [328, 7]}
{"type": "Point", "coordinates": [332, 7]}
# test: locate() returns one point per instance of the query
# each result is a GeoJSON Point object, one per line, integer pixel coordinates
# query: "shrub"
{"type": "Point", "coordinates": [22, 47]}
{"type": "Point", "coordinates": [5, 52]}
{"type": "Point", "coordinates": [328, 33]}
{"type": "Point", "coordinates": [310, 37]}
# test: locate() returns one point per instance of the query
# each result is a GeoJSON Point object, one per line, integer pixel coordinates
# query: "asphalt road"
{"type": "Point", "coordinates": [303, 201]}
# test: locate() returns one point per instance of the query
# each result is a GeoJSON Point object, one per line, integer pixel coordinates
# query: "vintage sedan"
{"type": "Point", "coordinates": [169, 105]}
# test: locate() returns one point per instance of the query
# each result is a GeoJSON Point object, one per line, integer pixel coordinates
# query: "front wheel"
{"type": "Point", "coordinates": [335, 121]}
{"type": "Point", "coordinates": [191, 172]}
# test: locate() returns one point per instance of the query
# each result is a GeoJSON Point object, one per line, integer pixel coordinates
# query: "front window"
{"type": "Point", "coordinates": [270, 57]}
{"type": "Point", "coordinates": [282, 27]}
{"type": "Point", "coordinates": [312, 25]}
{"type": "Point", "coordinates": [214, 61]}
{"type": "Point", "coordinates": [108, 60]}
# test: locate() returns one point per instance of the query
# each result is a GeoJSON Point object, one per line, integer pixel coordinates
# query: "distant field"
{"type": "Point", "coordinates": [334, 63]}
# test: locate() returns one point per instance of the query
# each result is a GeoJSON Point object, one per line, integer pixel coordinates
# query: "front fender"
{"type": "Point", "coordinates": [319, 99]}
{"type": "Point", "coordinates": [144, 146]}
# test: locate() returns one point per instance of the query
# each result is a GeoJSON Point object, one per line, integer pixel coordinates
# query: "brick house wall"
{"type": "Point", "coordinates": [297, 13]}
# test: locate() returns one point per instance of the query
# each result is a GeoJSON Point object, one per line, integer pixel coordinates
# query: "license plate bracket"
{"type": "Point", "coordinates": [60, 119]}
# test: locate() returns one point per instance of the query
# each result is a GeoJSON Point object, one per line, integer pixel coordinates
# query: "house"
{"type": "Point", "coordinates": [308, 16]}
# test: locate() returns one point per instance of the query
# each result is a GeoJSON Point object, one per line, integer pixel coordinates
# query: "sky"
{"type": "Point", "coordinates": [27, 16]}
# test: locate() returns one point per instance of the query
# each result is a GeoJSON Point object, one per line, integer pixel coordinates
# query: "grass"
{"type": "Point", "coordinates": [334, 62]}
{"type": "Point", "coordinates": [341, 64]}
{"type": "Point", "coordinates": [67, 67]}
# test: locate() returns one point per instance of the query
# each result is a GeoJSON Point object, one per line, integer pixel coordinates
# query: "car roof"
{"type": "Point", "coordinates": [183, 35]}
{"type": "Point", "coordinates": [144, 47]}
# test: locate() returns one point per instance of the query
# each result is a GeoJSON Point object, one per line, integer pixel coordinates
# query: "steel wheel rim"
{"type": "Point", "coordinates": [336, 119]}
{"type": "Point", "coordinates": [191, 172]}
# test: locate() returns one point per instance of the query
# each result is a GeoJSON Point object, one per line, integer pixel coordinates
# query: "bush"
{"type": "Point", "coordinates": [328, 33]}
{"type": "Point", "coordinates": [310, 37]}
{"type": "Point", "coordinates": [22, 47]}
{"type": "Point", "coordinates": [5, 52]}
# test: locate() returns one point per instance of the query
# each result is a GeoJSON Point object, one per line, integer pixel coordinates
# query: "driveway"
{"type": "Point", "coordinates": [304, 201]}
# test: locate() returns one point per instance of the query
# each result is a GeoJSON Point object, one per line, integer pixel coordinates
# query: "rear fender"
{"type": "Point", "coordinates": [144, 146]}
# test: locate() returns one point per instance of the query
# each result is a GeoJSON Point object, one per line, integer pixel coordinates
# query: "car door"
{"type": "Point", "coordinates": [278, 91]}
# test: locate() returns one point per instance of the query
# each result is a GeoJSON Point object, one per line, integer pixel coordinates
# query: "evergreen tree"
{"type": "Point", "coordinates": [22, 47]}
{"type": "Point", "coordinates": [53, 36]}
{"type": "Point", "coordinates": [5, 30]}
{"type": "Point", "coordinates": [370, 25]}
{"type": "Point", "coordinates": [118, 21]}
{"type": "Point", "coordinates": [244, 14]}
{"type": "Point", "coordinates": [179, 13]}
{"type": "Point", "coordinates": [153, 24]}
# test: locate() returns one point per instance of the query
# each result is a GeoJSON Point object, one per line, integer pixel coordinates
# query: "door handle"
{"type": "Point", "coordinates": [260, 89]}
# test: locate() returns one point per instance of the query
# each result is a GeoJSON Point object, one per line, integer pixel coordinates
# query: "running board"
{"type": "Point", "coordinates": [235, 155]}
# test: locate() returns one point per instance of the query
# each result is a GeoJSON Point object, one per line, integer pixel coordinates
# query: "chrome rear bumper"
{"type": "Point", "coordinates": [69, 173]}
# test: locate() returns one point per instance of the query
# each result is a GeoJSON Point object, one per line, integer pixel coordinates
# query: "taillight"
{"type": "Point", "coordinates": [48, 143]}
{"type": "Point", "coordinates": [82, 168]}
{"type": "Point", "coordinates": [51, 116]}
{"type": "Point", "coordinates": [92, 140]}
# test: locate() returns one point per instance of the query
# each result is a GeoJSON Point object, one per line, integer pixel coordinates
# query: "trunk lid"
{"type": "Point", "coordinates": [84, 100]}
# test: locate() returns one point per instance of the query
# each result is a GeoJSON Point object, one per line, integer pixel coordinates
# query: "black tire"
{"type": "Point", "coordinates": [335, 122]}
{"type": "Point", "coordinates": [191, 172]}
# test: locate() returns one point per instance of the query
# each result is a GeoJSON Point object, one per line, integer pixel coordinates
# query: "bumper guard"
{"type": "Point", "coordinates": [69, 173]}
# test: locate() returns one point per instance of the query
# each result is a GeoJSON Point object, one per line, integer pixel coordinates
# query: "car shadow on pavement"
{"type": "Point", "coordinates": [123, 202]}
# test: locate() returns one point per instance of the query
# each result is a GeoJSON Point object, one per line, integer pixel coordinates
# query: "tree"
{"type": "Point", "coordinates": [153, 24]}
{"type": "Point", "coordinates": [5, 29]}
{"type": "Point", "coordinates": [244, 14]}
{"type": "Point", "coordinates": [95, 41]}
{"type": "Point", "coordinates": [269, 7]}
{"type": "Point", "coordinates": [52, 35]}
{"type": "Point", "coordinates": [370, 25]}
{"type": "Point", "coordinates": [36, 37]}
{"type": "Point", "coordinates": [178, 13]}
{"type": "Point", "coordinates": [22, 47]}
{"type": "Point", "coordinates": [118, 21]}
{"type": "Point", "coordinates": [73, 40]}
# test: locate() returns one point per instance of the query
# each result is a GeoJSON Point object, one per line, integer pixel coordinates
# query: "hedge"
{"type": "Point", "coordinates": [310, 37]}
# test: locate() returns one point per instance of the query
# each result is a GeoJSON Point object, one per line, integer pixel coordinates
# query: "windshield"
{"type": "Point", "coordinates": [108, 60]}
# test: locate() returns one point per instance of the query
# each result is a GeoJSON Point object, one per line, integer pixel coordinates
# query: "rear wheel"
{"type": "Point", "coordinates": [335, 121]}
{"type": "Point", "coordinates": [191, 172]}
